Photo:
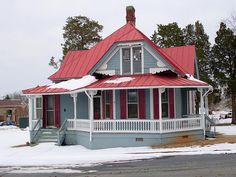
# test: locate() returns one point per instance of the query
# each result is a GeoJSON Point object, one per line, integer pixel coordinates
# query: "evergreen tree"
{"type": "Point", "coordinates": [195, 35]}
{"type": "Point", "coordinates": [224, 62]}
{"type": "Point", "coordinates": [80, 33]}
{"type": "Point", "coordinates": [169, 35]}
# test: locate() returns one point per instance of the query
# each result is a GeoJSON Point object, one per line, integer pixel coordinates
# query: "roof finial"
{"type": "Point", "coordinates": [130, 15]}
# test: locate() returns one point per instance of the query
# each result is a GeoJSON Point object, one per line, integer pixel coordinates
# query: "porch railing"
{"type": "Point", "coordinates": [36, 126]}
{"type": "Point", "coordinates": [136, 126]}
{"type": "Point", "coordinates": [78, 124]}
{"type": "Point", "coordinates": [126, 126]}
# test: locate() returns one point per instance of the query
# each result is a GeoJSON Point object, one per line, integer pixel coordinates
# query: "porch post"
{"type": "Point", "coordinates": [74, 96]}
{"type": "Point", "coordinates": [202, 111]}
{"type": "Point", "coordinates": [160, 90]}
{"type": "Point", "coordinates": [206, 105]}
{"type": "Point", "coordinates": [90, 95]}
{"type": "Point", "coordinates": [30, 112]}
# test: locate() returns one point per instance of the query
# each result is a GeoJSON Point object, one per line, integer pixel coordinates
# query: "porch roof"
{"type": "Point", "coordinates": [146, 81]}
{"type": "Point", "coordinates": [122, 82]}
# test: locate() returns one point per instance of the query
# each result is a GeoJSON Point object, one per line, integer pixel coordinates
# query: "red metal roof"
{"type": "Point", "coordinates": [183, 55]}
{"type": "Point", "coordinates": [44, 89]}
{"type": "Point", "coordinates": [146, 80]}
{"type": "Point", "coordinates": [78, 63]}
{"type": "Point", "coordinates": [138, 80]}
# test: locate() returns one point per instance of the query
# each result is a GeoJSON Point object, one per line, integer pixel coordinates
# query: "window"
{"type": "Point", "coordinates": [137, 57]}
{"type": "Point", "coordinates": [165, 104]}
{"type": "Point", "coordinates": [38, 108]}
{"type": "Point", "coordinates": [126, 61]}
{"type": "Point", "coordinates": [132, 60]}
{"type": "Point", "coordinates": [107, 104]}
{"type": "Point", "coordinates": [132, 103]}
{"type": "Point", "coordinates": [50, 111]}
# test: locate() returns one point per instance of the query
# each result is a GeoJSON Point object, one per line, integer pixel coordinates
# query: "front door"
{"type": "Point", "coordinates": [50, 112]}
{"type": "Point", "coordinates": [97, 107]}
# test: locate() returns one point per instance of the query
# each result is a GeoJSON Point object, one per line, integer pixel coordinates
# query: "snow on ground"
{"type": "Point", "coordinates": [48, 154]}
{"type": "Point", "coordinates": [219, 117]}
{"type": "Point", "coordinates": [226, 130]}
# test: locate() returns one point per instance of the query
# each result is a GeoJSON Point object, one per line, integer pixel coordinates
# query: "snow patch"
{"type": "Point", "coordinates": [73, 84]}
{"type": "Point", "coordinates": [191, 78]}
{"type": "Point", "coordinates": [120, 80]}
{"type": "Point", "coordinates": [57, 158]}
{"type": "Point", "coordinates": [226, 130]}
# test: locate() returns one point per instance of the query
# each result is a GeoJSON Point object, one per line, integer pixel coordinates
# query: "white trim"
{"type": "Point", "coordinates": [202, 111]}
{"type": "Point", "coordinates": [158, 59]}
{"type": "Point", "coordinates": [121, 62]}
{"type": "Point", "coordinates": [91, 118]}
{"type": "Point", "coordinates": [151, 104]}
{"type": "Point", "coordinates": [30, 112]}
{"type": "Point", "coordinates": [107, 60]}
{"type": "Point", "coordinates": [131, 61]}
{"type": "Point", "coordinates": [106, 72]}
{"type": "Point", "coordinates": [127, 110]}
{"type": "Point", "coordinates": [114, 103]}
{"type": "Point", "coordinates": [133, 44]}
{"type": "Point", "coordinates": [74, 96]}
{"type": "Point", "coordinates": [34, 110]}
{"type": "Point", "coordinates": [142, 60]}
{"type": "Point", "coordinates": [160, 109]}
{"type": "Point", "coordinates": [174, 104]}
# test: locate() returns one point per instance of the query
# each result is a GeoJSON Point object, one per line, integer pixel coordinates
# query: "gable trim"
{"type": "Point", "coordinates": [161, 58]}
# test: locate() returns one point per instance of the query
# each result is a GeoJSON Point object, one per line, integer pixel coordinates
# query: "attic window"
{"type": "Point", "coordinates": [131, 60]}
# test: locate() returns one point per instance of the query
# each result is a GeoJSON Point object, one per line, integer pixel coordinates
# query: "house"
{"type": "Point", "coordinates": [124, 91]}
{"type": "Point", "coordinates": [12, 109]}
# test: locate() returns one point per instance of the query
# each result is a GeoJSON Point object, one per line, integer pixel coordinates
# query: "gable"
{"type": "Point", "coordinates": [79, 63]}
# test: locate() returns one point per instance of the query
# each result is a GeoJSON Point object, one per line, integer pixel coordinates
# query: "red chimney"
{"type": "Point", "coordinates": [130, 15]}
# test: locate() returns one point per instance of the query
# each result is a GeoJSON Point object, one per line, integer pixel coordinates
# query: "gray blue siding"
{"type": "Point", "coordinates": [111, 140]}
{"type": "Point", "coordinates": [66, 107]}
{"type": "Point", "coordinates": [178, 103]}
{"type": "Point", "coordinates": [114, 63]}
{"type": "Point", "coordinates": [82, 106]}
{"type": "Point", "coordinates": [147, 104]}
{"type": "Point", "coordinates": [117, 95]}
{"type": "Point", "coordinates": [149, 61]}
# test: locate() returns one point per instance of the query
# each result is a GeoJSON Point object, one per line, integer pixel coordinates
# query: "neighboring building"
{"type": "Point", "coordinates": [124, 91]}
{"type": "Point", "coordinates": [12, 109]}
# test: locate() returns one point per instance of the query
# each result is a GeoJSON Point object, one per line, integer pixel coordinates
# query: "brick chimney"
{"type": "Point", "coordinates": [130, 15]}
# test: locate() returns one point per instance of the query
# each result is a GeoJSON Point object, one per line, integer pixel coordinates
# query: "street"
{"type": "Point", "coordinates": [222, 165]}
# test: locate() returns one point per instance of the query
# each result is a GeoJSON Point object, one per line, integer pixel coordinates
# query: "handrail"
{"type": "Point", "coordinates": [212, 123]}
{"type": "Point", "coordinates": [34, 134]}
{"type": "Point", "coordinates": [61, 133]}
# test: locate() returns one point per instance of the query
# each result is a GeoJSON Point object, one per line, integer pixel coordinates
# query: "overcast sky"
{"type": "Point", "coordinates": [31, 31]}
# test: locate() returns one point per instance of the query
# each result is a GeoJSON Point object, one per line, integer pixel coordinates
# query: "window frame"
{"type": "Point", "coordinates": [38, 108]}
{"type": "Point", "coordinates": [106, 94]}
{"type": "Point", "coordinates": [165, 102]}
{"type": "Point", "coordinates": [131, 49]}
{"type": "Point", "coordinates": [50, 110]}
{"type": "Point", "coordinates": [132, 103]}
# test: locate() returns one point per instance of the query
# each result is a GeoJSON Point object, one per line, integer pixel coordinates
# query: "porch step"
{"type": "Point", "coordinates": [48, 135]}
{"type": "Point", "coordinates": [210, 134]}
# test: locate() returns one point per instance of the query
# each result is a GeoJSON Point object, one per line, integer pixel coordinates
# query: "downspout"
{"type": "Point", "coordinates": [204, 97]}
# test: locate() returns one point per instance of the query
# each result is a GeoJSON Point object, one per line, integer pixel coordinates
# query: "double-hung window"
{"type": "Point", "coordinates": [107, 104]}
{"type": "Point", "coordinates": [132, 60]}
{"type": "Point", "coordinates": [38, 108]}
{"type": "Point", "coordinates": [165, 104]}
{"type": "Point", "coordinates": [132, 103]}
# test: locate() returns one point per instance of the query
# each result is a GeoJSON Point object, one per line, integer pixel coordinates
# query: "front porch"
{"type": "Point", "coordinates": [136, 126]}
{"type": "Point", "coordinates": [129, 114]}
